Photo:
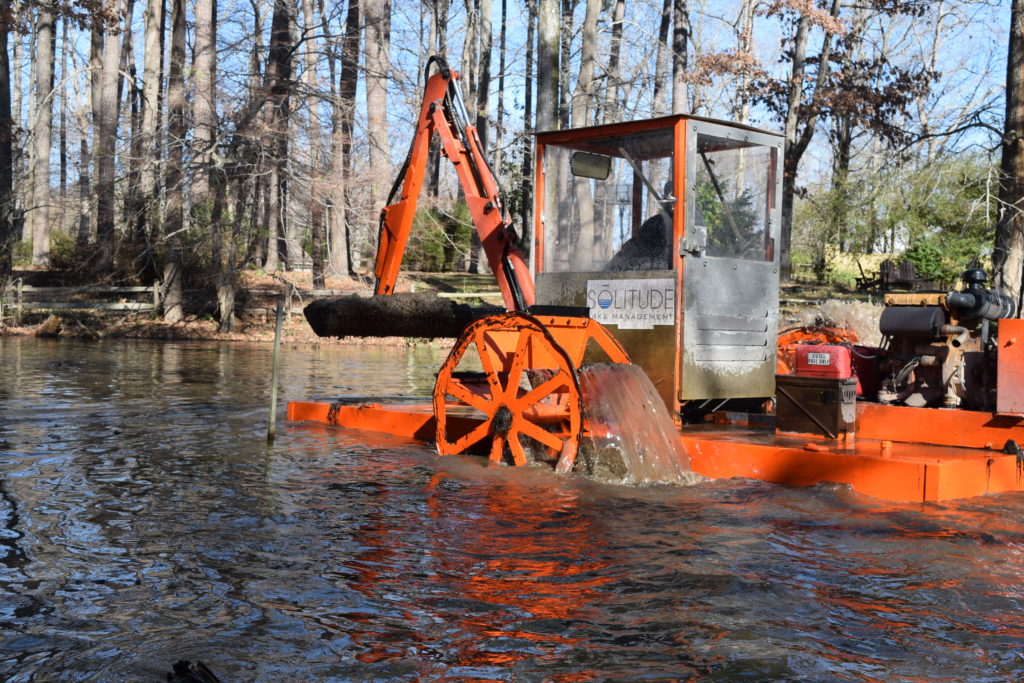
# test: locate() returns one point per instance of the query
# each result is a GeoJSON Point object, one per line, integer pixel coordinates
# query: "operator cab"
{"type": "Point", "coordinates": [666, 230]}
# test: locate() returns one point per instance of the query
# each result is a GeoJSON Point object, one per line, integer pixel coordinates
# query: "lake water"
{"type": "Point", "coordinates": [144, 519]}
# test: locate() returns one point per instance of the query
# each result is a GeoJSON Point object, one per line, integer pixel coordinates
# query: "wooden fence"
{"type": "Point", "coordinates": [17, 299]}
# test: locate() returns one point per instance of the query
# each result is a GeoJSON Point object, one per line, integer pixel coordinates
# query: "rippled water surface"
{"type": "Point", "coordinates": [144, 519]}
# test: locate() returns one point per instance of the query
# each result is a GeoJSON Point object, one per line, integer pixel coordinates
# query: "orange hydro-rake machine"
{"type": "Point", "coordinates": [523, 391]}
{"type": "Point", "coordinates": [658, 239]}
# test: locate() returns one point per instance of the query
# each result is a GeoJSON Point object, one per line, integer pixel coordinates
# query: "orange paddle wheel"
{"type": "Point", "coordinates": [518, 372]}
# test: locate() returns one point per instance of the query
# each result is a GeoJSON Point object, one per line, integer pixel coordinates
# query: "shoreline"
{"type": "Point", "coordinates": [258, 289]}
{"type": "Point", "coordinates": [294, 332]}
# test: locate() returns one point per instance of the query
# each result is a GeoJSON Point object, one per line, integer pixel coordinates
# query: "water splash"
{"type": "Point", "coordinates": [633, 438]}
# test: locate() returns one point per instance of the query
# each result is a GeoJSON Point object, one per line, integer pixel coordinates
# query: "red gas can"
{"type": "Point", "coordinates": [824, 360]}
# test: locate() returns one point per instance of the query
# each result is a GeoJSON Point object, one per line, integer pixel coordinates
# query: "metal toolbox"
{"type": "Point", "coordinates": [815, 405]}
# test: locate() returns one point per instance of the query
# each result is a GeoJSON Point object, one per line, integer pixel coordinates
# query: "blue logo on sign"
{"type": "Point", "coordinates": [604, 299]}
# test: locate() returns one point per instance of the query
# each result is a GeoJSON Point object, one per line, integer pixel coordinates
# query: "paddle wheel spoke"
{"type": "Point", "coordinates": [461, 392]}
{"type": "Point", "coordinates": [515, 370]}
{"type": "Point", "coordinates": [543, 391]}
{"type": "Point", "coordinates": [474, 436]}
{"type": "Point", "coordinates": [538, 433]}
{"type": "Point", "coordinates": [487, 363]}
{"type": "Point", "coordinates": [497, 448]}
{"type": "Point", "coordinates": [516, 446]}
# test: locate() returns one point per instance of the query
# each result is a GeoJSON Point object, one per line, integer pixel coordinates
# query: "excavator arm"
{"type": "Point", "coordinates": [443, 112]}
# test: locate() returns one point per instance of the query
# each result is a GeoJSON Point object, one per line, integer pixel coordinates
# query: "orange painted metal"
{"type": "Point", "coordinates": [884, 469]}
{"type": "Point", "coordinates": [413, 421]}
{"type": "Point", "coordinates": [1009, 384]}
{"type": "Point", "coordinates": [507, 345]}
{"type": "Point", "coordinates": [789, 340]}
{"type": "Point", "coordinates": [550, 411]}
{"type": "Point", "coordinates": [460, 143]}
{"type": "Point", "coordinates": [890, 471]}
{"type": "Point", "coordinates": [964, 428]}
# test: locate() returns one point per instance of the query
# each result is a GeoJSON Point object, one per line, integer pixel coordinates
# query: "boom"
{"type": "Point", "coordinates": [443, 112]}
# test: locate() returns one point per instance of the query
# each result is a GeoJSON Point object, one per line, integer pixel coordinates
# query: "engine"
{"type": "Point", "coordinates": [938, 349]}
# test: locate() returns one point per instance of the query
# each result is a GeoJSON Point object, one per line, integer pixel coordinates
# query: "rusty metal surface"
{"type": "Point", "coordinates": [1010, 379]}
{"type": "Point", "coordinates": [915, 299]}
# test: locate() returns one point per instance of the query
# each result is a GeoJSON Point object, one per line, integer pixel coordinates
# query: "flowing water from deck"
{"type": "Point", "coordinates": [633, 438]}
{"type": "Point", "coordinates": [144, 519]}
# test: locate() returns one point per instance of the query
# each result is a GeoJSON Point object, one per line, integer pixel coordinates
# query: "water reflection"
{"type": "Point", "coordinates": [143, 519]}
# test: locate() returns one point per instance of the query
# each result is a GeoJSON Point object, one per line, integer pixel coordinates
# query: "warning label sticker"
{"type": "Point", "coordinates": [632, 304]}
{"type": "Point", "coordinates": [818, 358]}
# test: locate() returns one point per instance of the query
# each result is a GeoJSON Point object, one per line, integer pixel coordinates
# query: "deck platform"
{"type": "Point", "coordinates": [963, 457]}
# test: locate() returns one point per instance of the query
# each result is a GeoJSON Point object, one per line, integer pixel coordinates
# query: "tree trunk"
{"type": "Point", "coordinates": [84, 192]}
{"type": "Point", "coordinates": [470, 60]}
{"type": "Point", "coordinates": [39, 209]}
{"type": "Point", "coordinates": [316, 169]}
{"type": "Point", "coordinates": [797, 140]}
{"type": "Point", "coordinates": [147, 226]}
{"type": "Point", "coordinates": [172, 298]}
{"type": "Point", "coordinates": [278, 85]}
{"type": "Point", "coordinates": [378, 40]}
{"type": "Point", "coordinates": [548, 69]}
{"type": "Point", "coordinates": [342, 118]}
{"type": "Point", "coordinates": [744, 43]}
{"type": "Point", "coordinates": [659, 104]}
{"type": "Point", "coordinates": [441, 48]}
{"type": "Point", "coordinates": [526, 189]}
{"type": "Point", "coordinates": [500, 127]}
{"type": "Point", "coordinates": [483, 109]}
{"type": "Point", "coordinates": [62, 145]}
{"type": "Point", "coordinates": [7, 226]}
{"type": "Point", "coordinates": [614, 78]}
{"type": "Point", "coordinates": [105, 56]}
{"type": "Point", "coordinates": [680, 38]}
{"type": "Point", "coordinates": [1008, 257]}
{"type": "Point", "coordinates": [204, 107]}
{"type": "Point", "coordinates": [565, 47]}
{"type": "Point", "coordinates": [795, 96]}
{"type": "Point", "coordinates": [582, 254]}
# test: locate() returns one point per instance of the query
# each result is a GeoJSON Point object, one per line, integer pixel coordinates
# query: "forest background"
{"type": "Point", "coordinates": [188, 141]}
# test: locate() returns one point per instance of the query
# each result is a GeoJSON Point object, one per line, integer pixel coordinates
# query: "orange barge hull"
{"type": "Point", "coordinates": [940, 454]}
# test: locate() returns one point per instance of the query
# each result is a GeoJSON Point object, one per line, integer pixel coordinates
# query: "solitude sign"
{"type": "Point", "coordinates": [632, 304]}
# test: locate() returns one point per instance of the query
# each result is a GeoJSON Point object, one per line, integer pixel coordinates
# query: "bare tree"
{"type": "Point", "coordinates": [104, 58]}
{"type": "Point", "coordinates": [39, 210]}
{"type": "Point", "coordinates": [378, 43]}
{"type": "Point", "coordinates": [680, 37]}
{"type": "Point", "coordinates": [483, 108]}
{"type": "Point", "coordinates": [147, 225]}
{"type": "Point", "coordinates": [204, 109]}
{"type": "Point", "coordinates": [1008, 257]}
{"type": "Point", "coordinates": [342, 116]}
{"type": "Point", "coordinates": [276, 122]}
{"type": "Point", "coordinates": [548, 68]}
{"type": "Point", "coordinates": [176, 131]}
{"type": "Point", "coordinates": [613, 75]}
{"type": "Point", "coordinates": [798, 138]}
{"type": "Point", "coordinates": [7, 226]}
{"type": "Point", "coordinates": [582, 97]}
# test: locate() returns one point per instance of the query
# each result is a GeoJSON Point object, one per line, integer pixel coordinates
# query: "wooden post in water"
{"type": "Point", "coordinates": [273, 372]}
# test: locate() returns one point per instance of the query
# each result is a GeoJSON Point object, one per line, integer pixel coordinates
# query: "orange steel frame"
{"type": "Point", "coordinates": [460, 143]}
{"type": "Point", "coordinates": [886, 468]}
{"type": "Point", "coordinates": [899, 453]}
